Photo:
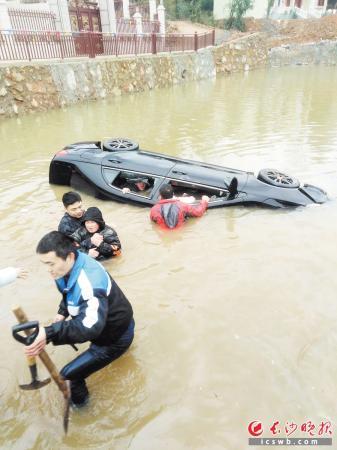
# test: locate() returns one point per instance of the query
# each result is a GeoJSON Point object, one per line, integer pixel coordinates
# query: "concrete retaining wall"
{"type": "Point", "coordinates": [39, 86]}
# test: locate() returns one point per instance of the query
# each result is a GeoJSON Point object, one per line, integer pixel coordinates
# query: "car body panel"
{"type": "Point", "coordinates": [104, 170]}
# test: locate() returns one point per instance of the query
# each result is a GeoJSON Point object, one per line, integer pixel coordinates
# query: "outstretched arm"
{"type": "Point", "coordinates": [196, 210]}
{"type": "Point", "coordinates": [10, 274]}
{"type": "Point", "coordinates": [85, 327]}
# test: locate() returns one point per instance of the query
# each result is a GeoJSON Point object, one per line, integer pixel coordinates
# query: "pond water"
{"type": "Point", "coordinates": [235, 313]}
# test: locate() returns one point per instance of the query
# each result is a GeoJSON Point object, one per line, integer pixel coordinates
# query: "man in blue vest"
{"type": "Point", "coordinates": [93, 308]}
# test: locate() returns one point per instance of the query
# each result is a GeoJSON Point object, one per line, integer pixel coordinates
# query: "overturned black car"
{"type": "Point", "coordinates": [118, 170]}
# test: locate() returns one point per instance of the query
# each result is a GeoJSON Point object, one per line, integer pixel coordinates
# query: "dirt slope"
{"type": "Point", "coordinates": [277, 31]}
{"type": "Point", "coordinates": [296, 30]}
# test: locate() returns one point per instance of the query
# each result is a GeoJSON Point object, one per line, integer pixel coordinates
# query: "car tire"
{"type": "Point", "coordinates": [118, 144]}
{"type": "Point", "coordinates": [277, 178]}
{"type": "Point", "coordinates": [60, 173]}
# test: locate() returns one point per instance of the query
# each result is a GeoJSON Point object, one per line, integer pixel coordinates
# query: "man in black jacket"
{"type": "Point", "coordinates": [98, 311]}
{"type": "Point", "coordinates": [74, 211]}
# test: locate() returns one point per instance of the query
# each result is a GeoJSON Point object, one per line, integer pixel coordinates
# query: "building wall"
{"type": "Point", "coordinates": [309, 9]}
{"type": "Point", "coordinates": [221, 9]}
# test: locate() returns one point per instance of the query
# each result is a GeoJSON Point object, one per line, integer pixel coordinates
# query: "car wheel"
{"type": "Point", "coordinates": [117, 144]}
{"type": "Point", "coordinates": [277, 178]}
{"type": "Point", "coordinates": [60, 173]}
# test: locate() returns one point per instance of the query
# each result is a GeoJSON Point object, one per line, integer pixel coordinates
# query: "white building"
{"type": "Point", "coordinates": [221, 9]}
{"type": "Point", "coordinates": [281, 9]}
{"type": "Point", "coordinates": [303, 9]}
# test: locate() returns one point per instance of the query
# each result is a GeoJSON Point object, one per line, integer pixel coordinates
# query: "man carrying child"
{"type": "Point", "coordinates": [74, 211]}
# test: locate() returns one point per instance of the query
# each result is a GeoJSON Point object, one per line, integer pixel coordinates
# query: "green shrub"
{"type": "Point", "coordinates": [269, 6]}
{"type": "Point", "coordinates": [238, 9]}
{"type": "Point", "coordinates": [195, 10]}
{"type": "Point", "coordinates": [207, 18]}
{"type": "Point", "coordinates": [183, 9]}
{"type": "Point", "coordinates": [207, 5]}
{"type": "Point", "coordinates": [293, 14]}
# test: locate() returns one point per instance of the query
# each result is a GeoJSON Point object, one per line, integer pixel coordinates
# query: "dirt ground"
{"type": "Point", "coordinates": [277, 32]}
{"type": "Point", "coordinates": [296, 30]}
{"type": "Point", "coordinates": [183, 27]}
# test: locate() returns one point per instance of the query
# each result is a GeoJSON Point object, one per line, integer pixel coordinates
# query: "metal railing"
{"type": "Point", "coordinates": [126, 26]}
{"type": "Point", "coordinates": [32, 45]}
{"type": "Point", "coordinates": [150, 26]}
{"type": "Point", "coordinates": [25, 19]}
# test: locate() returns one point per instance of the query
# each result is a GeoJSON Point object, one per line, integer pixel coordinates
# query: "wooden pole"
{"type": "Point", "coordinates": [61, 383]}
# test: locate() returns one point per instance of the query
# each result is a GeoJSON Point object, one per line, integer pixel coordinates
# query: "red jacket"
{"type": "Point", "coordinates": [171, 213]}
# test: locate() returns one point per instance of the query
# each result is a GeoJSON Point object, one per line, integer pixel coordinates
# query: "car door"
{"type": "Point", "coordinates": [138, 161]}
{"type": "Point", "coordinates": [204, 174]}
{"type": "Point", "coordinates": [135, 163]}
{"type": "Point", "coordinates": [196, 180]}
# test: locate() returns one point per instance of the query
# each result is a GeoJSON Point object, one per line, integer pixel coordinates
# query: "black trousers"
{"type": "Point", "coordinates": [93, 359]}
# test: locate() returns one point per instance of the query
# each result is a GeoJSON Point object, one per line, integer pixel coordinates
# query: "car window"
{"type": "Point", "coordinates": [134, 183]}
{"type": "Point", "coordinates": [185, 189]}
{"type": "Point", "coordinates": [110, 174]}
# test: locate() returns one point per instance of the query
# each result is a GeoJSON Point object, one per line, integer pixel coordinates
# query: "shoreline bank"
{"type": "Point", "coordinates": [43, 85]}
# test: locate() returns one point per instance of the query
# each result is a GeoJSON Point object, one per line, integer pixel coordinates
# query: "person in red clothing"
{"type": "Point", "coordinates": [170, 212]}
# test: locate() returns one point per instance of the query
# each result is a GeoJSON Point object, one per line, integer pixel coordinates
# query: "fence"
{"type": "Point", "coordinates": [133, 8]}
{"type": "Point", "coordinates": [150, 26]}
{"type": "Point", "coordinates": [32, 20]}
{"type": "Point", "coordinates": [48, 45]}
{"type": "Point", "coordinates": [127, 26]}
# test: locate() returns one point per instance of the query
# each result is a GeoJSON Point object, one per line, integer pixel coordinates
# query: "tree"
{"type": "Point", "coordinates": [269, 7]}
{"type": "Point", "coordinates": [237, 10]}
{"type": "Point", "coordinates": [195, 6]}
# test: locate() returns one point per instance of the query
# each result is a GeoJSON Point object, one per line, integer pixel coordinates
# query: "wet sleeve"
{"type": "Point", "coordinates": [195, 210]}
{"type": "Point", "coordinates": [63, 310]}
{"type": "Point", "coordinates": [154, 214]}
{"type": "Point", "coordinates": [110, 238]}
{"type": "Point", "coordinates": [86, 326]}
{"type": "Point", "coordinates": [64, 227]}
{"type": "Point", "coordinates": [76, 236]}
{"type": "Point", "coordinates": [84, 243]}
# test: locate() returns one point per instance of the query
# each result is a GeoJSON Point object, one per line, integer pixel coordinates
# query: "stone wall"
{"type": "Point", "coordinates": [243, 54]}
{"type": "Point", "coordinates": [39, 86]}
{"type": "Point", "coordinates": [323, 52]}
{"type": "Point", "coordinates": [26, 88]}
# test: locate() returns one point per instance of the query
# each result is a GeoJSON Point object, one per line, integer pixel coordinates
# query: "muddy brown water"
{"type": "Point", "coordinates": [235, 313]}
